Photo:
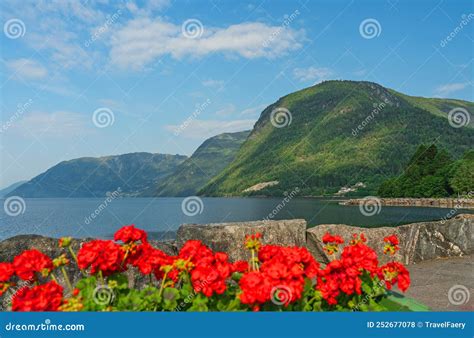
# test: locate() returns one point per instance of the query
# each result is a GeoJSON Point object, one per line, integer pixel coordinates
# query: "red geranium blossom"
{"type": "Point", "coordinates": [45, 297]}
{"type": "Point", "coordinates": [29, 262]}
{"type": "Point", "coordinates": [395, 273]}
{"type": "Point", "coordinates": [209, 270]}
{"type": "Point", "coordinates": [392, 244]}
{"type": "Point", "coordinates": [332, 243]}
{"type": "Point", "coordinates": [6, 271]}
{"type": "Point", "coordinates": [344, 275]}
{"type": "Point", "coordinates": [328, 238]}
{"type": "Point", "coordinates": [148, 260]}
{"type": "Point", "coordinates": [240, 266]}
{"type": "Point", "coordinates": [210, 278]}
{"type": "Point", "coordinates": [282, 268]}
{"type": "Point", "coordinates": [101, 255]}
{"type": "Point", "coordinates": [129, 234]}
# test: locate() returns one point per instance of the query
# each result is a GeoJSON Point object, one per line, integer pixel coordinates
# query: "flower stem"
{"type": "Point", "coordinates": [72, 254]}
{"type": "Point", "coordinates": [101, 278]}
{"type": "Point", "coordinates": [162, 283]}
{"type": "Point", "coordinates": [66, 278]}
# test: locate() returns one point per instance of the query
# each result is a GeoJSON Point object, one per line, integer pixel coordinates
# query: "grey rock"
{"type": "Point", "coordinates": [418, 241]}
{"type": "Point", "coordinates": [230, 237]}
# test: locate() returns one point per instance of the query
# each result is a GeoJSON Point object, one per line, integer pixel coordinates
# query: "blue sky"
{"type": "Point", "coordinates": [162, 76]}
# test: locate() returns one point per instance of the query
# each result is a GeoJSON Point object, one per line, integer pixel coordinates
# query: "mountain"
{"type": "Point", "coordinates": [207, 161]}
{"type": "Point", "coordinates": [336, 134]}
{"type": "Point", "coordinates": [10, 188]}
{"type": "Point", "coordinates": [95, 177]}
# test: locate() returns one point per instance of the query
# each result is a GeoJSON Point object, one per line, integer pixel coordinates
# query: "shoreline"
{"type": "Point", "coordinates": [453, 203]}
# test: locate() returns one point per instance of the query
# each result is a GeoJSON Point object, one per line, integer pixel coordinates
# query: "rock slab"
{"type": "Point", "coordinates": [418, 241]}
{"type": "Point", "coordinates": [230, 237]}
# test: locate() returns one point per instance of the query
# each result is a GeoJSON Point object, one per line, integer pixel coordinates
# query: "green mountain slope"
{"type": "Point", "coordinates": [94, 177]}
{"type": "Point", "coordinates": [341, 133]}
{"type": "Point", "coordinates": [207, 161]}
{"type": "Point", "coordinates": [432, 173]}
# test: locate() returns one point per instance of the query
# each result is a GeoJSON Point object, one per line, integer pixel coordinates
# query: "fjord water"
{"type": "Point", "coordinates": [161, 217]}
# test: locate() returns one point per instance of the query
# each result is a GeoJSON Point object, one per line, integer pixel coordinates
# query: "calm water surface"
{"type": "Point", "coordinates": [162, 216]}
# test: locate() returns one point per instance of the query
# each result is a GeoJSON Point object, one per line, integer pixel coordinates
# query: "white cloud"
{"type": "Point", "coordinates": [254, 111]}
{"type": "Point", "coordinates": [142, 40]}
{"type": "Point", "coordinates": [201, 129]}
{"type": "Point", "coordinates": [216, 84]}
{"type": "Point", "coordinates": [227, 110]}
{"type": "Point", "coordinates": [449, 88]}
{"type": "Point", "coordinates": [312, 74]}
{"type": "Point", "coordinates": [56, 124]}
{"type": "Point", "coordinates": [27, 69]}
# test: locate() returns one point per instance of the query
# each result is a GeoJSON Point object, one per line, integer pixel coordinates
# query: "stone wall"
{"type": "Point", "coordinates": [230, 237]}
{"type": "Point", "coordinates": [453, 203]}
{"type": "Point", "coordinates": [419, 241]}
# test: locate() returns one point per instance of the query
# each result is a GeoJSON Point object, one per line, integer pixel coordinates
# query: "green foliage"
{"type": "Point", "coordinates": [206, 162]}
{"type": "Point", "coordinates": [324, 149]}
{"type": "Point", "coordinates": [432, 173]}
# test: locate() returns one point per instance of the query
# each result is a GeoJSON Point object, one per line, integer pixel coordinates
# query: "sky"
{"type": "Point", "coordinates": [97, 77]}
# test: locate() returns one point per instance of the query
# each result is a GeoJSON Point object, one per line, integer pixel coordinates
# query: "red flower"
{"type": "Point", "coordinates": [328, 238]}
{"type": "Point", "coordinates": [392, 239]}
{"type": "Point", "coordinates": [29, 262]}
{"type": "Point", "coordinates": [100, 255]}
{"type": "Point", "coordinates": [240, 266]}
{"type": "Point", "coordinates": [210, 270]}
{"type": "Point", "coordinates": [46, 297]}
{"type": "Point", "coordinates": [395, 273]}
{"type": "Point", "coordinates": [129, 234]}
{"type": "Point", "coordinates": [344, 275]}
{"type": "Point", "coordinates": [392, 244]}
{"type": "Point", "coordinates": [358, 239]}
{"type": "Point", "coordinates": [6, 271]}
{"type": "Point", "coordinates": [256, 288]}
{"type": "Point", "coordinates": [332, 243]}
{"type": "Point", "coordinates": [252, 242]}
{"type": "Point", "coordinates": [282, 268]}
{"type": "Point", "coordinates": [148, 260]}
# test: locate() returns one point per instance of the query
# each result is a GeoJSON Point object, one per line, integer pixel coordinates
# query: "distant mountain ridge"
{"type": "Point", "coordinates": [95, 177]}
{"type": "Point", "coordinates": [336, 134]}
{"type": "Point", "coordinates": [209, 159]}
{"type": "Point", "coordinates": [5, 191]}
